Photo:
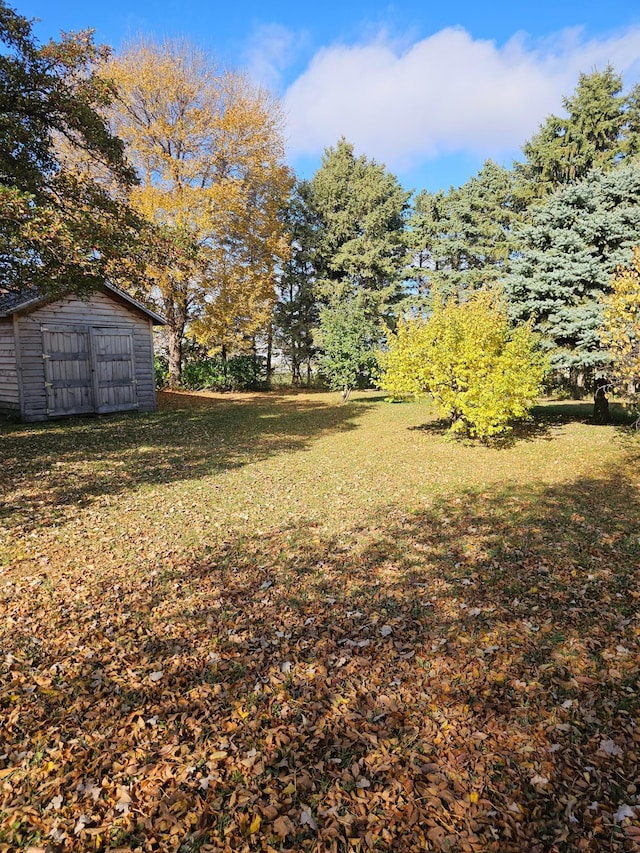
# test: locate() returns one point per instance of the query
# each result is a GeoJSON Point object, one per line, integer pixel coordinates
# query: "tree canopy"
{"type": "Point", "coordinates": [297, 310]}
{"type": "Point", "coordinates": [360, 210]}
{"type": "Point", "coordinates": [59, 229]}
{"type": "Point", "coordinates": [569, 251]}
{"type": "Point", "coordinates": [349, 338]}
{"type": "Point", "coordinates": [620, 330]}
{"type": "Point", "coordinates": [463, 239]}
{"type": "Point", "coordinates": [208, 150]}
{"type": "Point", "coordinates": [595, 134]}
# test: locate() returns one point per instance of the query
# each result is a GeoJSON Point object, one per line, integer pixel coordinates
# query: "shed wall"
{"type": "Point", "coordinates": [101, 310]}
{"type": "Point", "coordinates": [9, 386]}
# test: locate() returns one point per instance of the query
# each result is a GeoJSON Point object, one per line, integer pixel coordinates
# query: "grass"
{"type": "Point", "coordinates": [273, 622]}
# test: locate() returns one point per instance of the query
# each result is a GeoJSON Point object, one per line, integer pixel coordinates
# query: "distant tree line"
{"type": "Point", "coordinates": [548, 234]}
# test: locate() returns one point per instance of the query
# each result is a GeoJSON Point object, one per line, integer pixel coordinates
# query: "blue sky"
{"type": "Point", "coordinates": [430, 89]}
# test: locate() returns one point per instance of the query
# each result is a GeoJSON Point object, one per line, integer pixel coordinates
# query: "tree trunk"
{"type": "Point", "coordinates": [269, 365]}
{"type": "Point", "coordinates": [577, 382]}
{"type": "Point", "coordinates": [296, 379]}
{"type": "Point", "coordinates": [346, 392]}
{"type": "Point", "coordinates": [600, 402]}
{"type": "Point", "coordinates": [176, 313]}
{"type": "Point", "coordinates": [175, 356]}
{"type": "Point", "coordinates": [254, 359]}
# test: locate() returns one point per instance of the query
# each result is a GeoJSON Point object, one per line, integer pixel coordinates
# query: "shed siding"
{"type": "Point", "coordinates": [102, 310]}
{"type": "Point", "coordinates": [9, 387]}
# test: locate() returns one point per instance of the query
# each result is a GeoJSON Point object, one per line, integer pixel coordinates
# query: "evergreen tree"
{"type": "Point", "coordinates": [590, 136]}
{"type": "Point", "coordinates": [596, 116]}
{"type": "Point", "coordinates": [296, 312]}
{"type": "Point", "coordinates": [574, 243]}
{"type": "Point", "coordinates": [360, 210]}
{"type": "Point", "coordinates": [424, 238]}
{"type": "Point", "coordinates": [463, 240]}
{"type": "Point", "coordinates": [631, 133]}
{"type": "Point", "coordinates": [359, 213]}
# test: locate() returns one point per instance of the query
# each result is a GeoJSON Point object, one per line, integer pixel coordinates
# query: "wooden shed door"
{"type": "Point", "coordinates": [114, 369]}
{"type": "Point", "coordinates": [67, 370]}
{"type": "Point", "coordinates": [88, 369]}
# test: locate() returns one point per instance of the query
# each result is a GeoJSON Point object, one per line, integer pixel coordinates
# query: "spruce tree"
{"type": "Point", "coordinates": [569, 251]}
{"type": "Point", "coordinates": [463, 239]}
{"type": "Point", "coordinates": [360, 211]}
{"type": "Point", "coordinates": [590, 136]}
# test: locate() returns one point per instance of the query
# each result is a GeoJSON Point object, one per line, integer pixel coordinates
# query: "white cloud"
{"type": "Point", "coordinates": [269, 51]}
{"type": "Point", "coordinates": [445, 94]}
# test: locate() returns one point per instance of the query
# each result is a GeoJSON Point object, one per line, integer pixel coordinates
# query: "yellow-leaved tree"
{"type": "Point", "coordinates": [482, 373]}
{"type": "Point", "coordinates": [208, 149]}
{"type": "Point", "coordinates": [620, 332]}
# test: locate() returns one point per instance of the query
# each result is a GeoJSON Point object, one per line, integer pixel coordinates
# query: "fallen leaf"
{"type": "Point", "coordinates": [283, 827]}
{"type": "Point", "coordinates": [610, 747]}
{"type": "Point", "coordinates": [624, 812]}
{"type": "Point", "coordinates": [306, 818]}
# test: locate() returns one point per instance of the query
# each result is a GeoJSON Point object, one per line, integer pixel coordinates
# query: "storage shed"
{"type": "Point", "coordinates": [73, 355]}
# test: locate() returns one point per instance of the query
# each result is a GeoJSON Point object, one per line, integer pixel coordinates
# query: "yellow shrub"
{"type": "Point", "coordinates": [620, 331]}
{"type": "Point", "coordinates": [482, 373]}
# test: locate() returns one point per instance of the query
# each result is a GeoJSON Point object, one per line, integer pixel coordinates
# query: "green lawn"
{"type": "Point", "coordinates": [271, 622]}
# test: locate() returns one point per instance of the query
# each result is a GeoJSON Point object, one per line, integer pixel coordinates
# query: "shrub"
{"type": "Point", "coordinates": [482, 373]}
{"type": "Point", "coordinates": [239, 373]}
{"type": "Point", "coordinates": [348, 340]}
{"type": "Point", "coordinates": [161, 367]}
{"type": "Point", "coordinates": [620, 332]}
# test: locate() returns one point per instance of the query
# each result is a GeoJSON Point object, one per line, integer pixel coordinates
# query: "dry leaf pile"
{"type": "Point", "coordinates": [459, 677]}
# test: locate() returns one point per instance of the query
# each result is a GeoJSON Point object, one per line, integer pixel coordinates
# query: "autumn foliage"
{"type": "Point", "coordinates": [482, 373]}
{"type": "Point", "coordinates": [620, 331]}
{"type": "Point", "coordinates": [208, 149]}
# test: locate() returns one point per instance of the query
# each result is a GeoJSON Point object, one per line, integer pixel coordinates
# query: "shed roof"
{"type": "Point", "coordinates": [31, 298]}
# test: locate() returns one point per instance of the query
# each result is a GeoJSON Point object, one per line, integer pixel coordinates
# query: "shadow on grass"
{"type": "Point", "coordinates": [75, 460]}
{"type": "Point", "coordinates": [463, 675]}
{"type": "Point", "coordinates": [532, 430]}
{"type": "Point", "coordinates": [372, 398]}
{"type": "Point", "coordinates": [544, 421]}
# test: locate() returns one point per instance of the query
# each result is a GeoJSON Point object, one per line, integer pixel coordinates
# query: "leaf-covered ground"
{"type": "Point", "coordinates": [277, 623]}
